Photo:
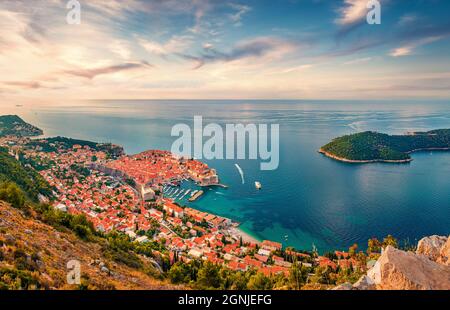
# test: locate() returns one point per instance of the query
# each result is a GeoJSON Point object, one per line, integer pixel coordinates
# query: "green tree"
{"type": "Point", "coordinates": [390, 240]}
{"type": "Point", "coordinates": [11, 193]}
{"type": "Point", "coordinates": [82, 231]}
{"type": "Point", "coordinates": [352, 250]}
{"type": "Point", "coordinates": [259, 282]}
{"type": "Point", "coordinates": [208, 276]}
{"type": "Point", "coordinates": [179, 273]}
{"type": "Point", "coordinates": [323, 275]}
{"type": "Point", "coordinates": [373, 246]}
{"type": "Point", "coordinates": [297, 275]}
{"type": "Point", "coordinates": [240, 281]}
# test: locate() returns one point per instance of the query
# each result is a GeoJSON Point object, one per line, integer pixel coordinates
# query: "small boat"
{"type": "Point", "coordinates": [187, 192]}
{"type": "Point", "coordinates": [180, 194]}
{"type": "Point", "coordinates": [258, 185]}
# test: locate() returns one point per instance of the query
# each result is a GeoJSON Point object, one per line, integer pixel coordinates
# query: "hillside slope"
{"type": "Point", "coordinates": [27, 179]}
{"type": "Point", "coordinates": [13, 125]}
{"type": "Point", "coordinates": [37, 254]}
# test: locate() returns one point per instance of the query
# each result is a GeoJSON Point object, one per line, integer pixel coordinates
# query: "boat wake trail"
{"type": "Point", "coordinates": [240, 172]}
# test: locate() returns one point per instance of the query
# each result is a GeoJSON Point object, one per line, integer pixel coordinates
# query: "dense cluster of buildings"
{"type": "Point", "coordinates": [152, 169]}
{"type": "Point", "coordinates": [86, 182]}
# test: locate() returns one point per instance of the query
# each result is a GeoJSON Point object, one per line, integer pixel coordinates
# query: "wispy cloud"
{"type": "Point", "coordinates": [351, 16]}
{"type": "Point", "coordinates": [24, 85]}
{"type": "Point", "coordinates": [298, 68]}
{"type": "Point", "coordinates": [408, 19]}
{"type": "Point", "coordinates": [353, 11]}
{"type": "Point", "coordinates": [401, 51]}
{"type": "Point", "coordinates": [409, 49]}
{"type": "Point", "coordinates": [240, 11]}
{"type": "Point", "coordinates": [417, 36]}
{"type": "Point", "coordinates": [92, 73]}
{"type": "Point", "coordinates": [358, 61]}
{"type": "Point", "coordinates": [254, 48]}
{"type": "Point", "coordinates": [401, 41]}
{"type": "Point", "coordinates": [176, 44]}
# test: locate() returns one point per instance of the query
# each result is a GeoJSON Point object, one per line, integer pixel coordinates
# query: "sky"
{"type": "Point", "coordinates": [217, 49]}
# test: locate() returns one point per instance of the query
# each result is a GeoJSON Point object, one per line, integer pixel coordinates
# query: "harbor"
{"type": "Point", "coordinates": [181, 194]}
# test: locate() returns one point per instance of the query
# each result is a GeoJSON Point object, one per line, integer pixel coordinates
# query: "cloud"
{"type": "Point", "coordinates": [253, 48]}
{"type": "Point", "coordinates": [352, 15]}
{"type": "Point", "coordinates": [408, 19]}
{"type": "Point", "coordinates": [176, 44]}
{"type": "Point", "coordinates": [352, 12]}
{"type": "Point", "coordinates": [122, 8]}
{"type": "Point", "coordinates": [121, 48]}
{"type": "Point", "coordinates": [402, 41]}
{"type": "Point", "coordinates": [24, 85]}
{"type": "Point", "coordinates": [208, 46]}
{"type": "Point", "coordinates": [358, 61]}
{"type": "Point", "coordinates": [102, 56]}
{"type": "Point", "coordinates": [401, 51]}
{"type": "Point", "coordinates": [114, 7]}
{"type": "Point", "coordinates": [15, 30]}
{"type": "Point", "coordinates": [241, 10]}
{"type": "Point", "coordinates": [408, 49]}
{"type": "Point", "coordinates": [298, 68]}
{"type": "Point", "coordinates": [92, 73]}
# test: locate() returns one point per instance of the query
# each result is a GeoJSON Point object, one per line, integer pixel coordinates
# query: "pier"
{"type": "Point", "coordinates": [196, 196]}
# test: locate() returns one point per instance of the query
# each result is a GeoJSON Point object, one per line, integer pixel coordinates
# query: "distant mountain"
{"type": "Point", "coordinates": [13, 125]}
{"type": "Point", "coordinates": [372, 146]}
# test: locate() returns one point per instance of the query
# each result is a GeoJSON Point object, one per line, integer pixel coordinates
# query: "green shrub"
{"type": "Point", "coordinates": [12, 194]}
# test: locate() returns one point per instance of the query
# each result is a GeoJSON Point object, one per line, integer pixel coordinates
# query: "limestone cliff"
{"type": "Point", "coordinates": [426, 269]}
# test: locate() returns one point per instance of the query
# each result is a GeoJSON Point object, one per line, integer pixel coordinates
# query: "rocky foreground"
{"type": "Point", "coordinates": [426, 269]}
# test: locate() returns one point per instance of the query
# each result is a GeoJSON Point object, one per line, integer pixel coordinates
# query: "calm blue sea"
{"type": "Point", "coordinates": [309, 199]}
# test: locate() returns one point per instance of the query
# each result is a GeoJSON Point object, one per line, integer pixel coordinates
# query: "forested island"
{"type": "Point", "coordinates": [369, 146]}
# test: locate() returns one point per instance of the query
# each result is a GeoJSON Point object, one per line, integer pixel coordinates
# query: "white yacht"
{"type": "Point", "coordinates": [258, 185]}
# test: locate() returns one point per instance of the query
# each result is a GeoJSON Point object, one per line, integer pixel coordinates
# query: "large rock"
{"type": "Point", "coordinates": [431, 246]}
{"type": "Point", "coordinates": [364, 283]}
{"type": "Point", "coordinates": [400, 270]}
{"type": "Point", "coordinates": [343, 287]}
{"type": "Point", "coordinates": [444, 257]}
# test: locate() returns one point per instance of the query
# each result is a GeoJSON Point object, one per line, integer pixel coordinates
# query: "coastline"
{"type": "Point", "coordinates": [353, 161]}
{"type": "Point", "coordinates": [236, 231]}
{"type": "Point", "coordinates": [246, 237]}
{"type": "Point", "coordinates": [429, 149]}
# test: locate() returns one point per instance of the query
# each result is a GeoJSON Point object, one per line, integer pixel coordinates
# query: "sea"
{"type": "Point", "coordinates": [309, 200]}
